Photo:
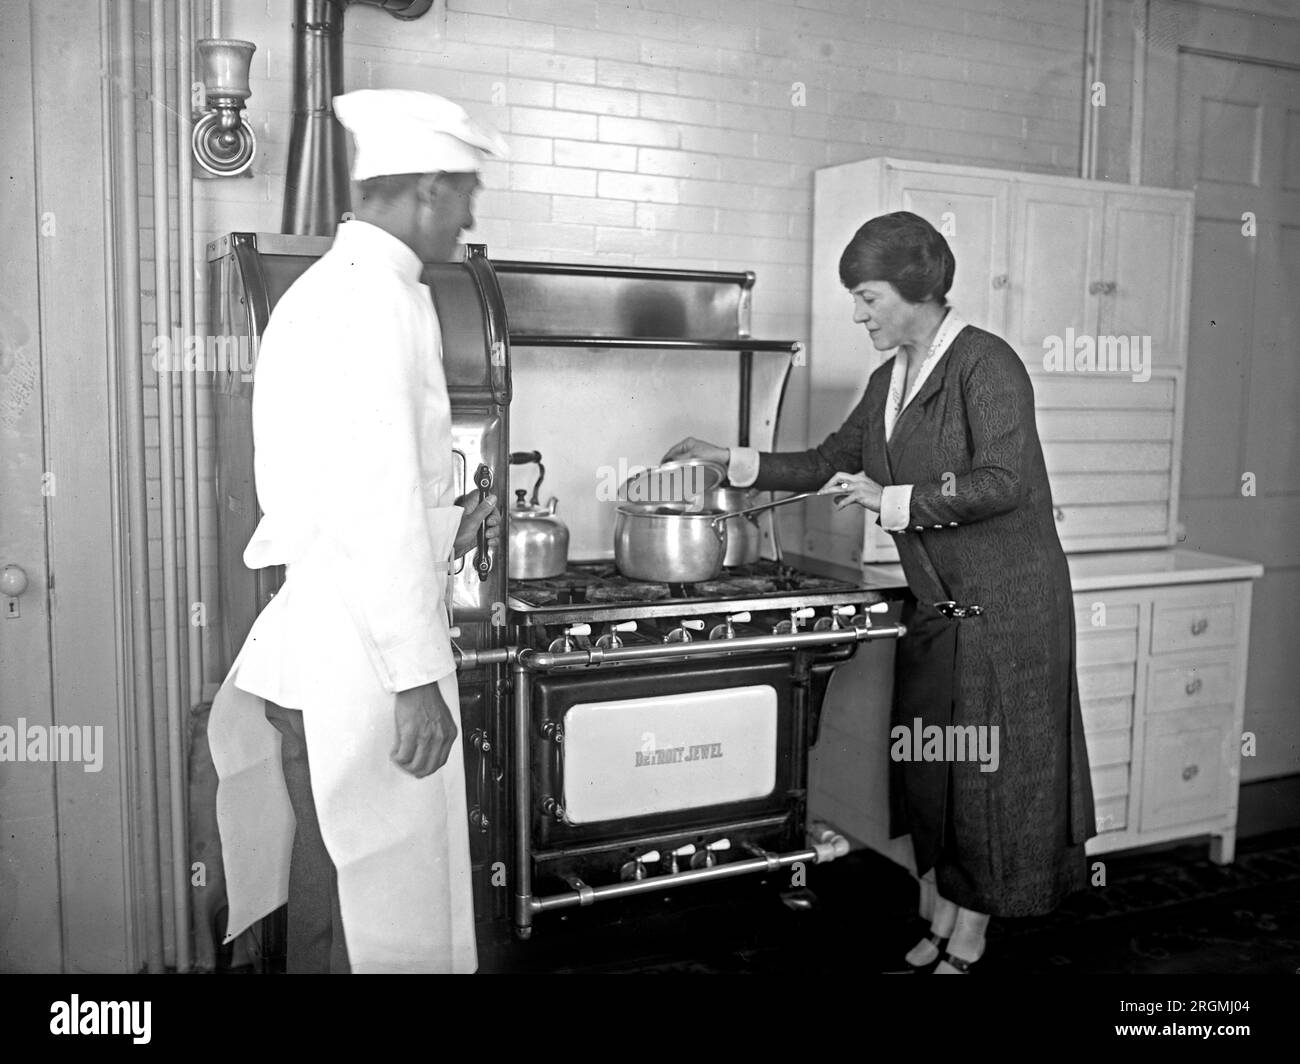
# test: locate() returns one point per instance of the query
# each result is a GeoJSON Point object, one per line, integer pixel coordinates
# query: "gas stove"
{"type": "Point", "coordinates": [596, 591]}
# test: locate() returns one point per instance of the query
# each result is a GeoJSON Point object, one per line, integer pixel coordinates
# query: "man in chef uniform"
{"type": "Point", "coordinates": [336, 735]}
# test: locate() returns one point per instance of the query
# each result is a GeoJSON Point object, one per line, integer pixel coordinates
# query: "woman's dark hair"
{"type": "Point", "coordinates": [903, 249]}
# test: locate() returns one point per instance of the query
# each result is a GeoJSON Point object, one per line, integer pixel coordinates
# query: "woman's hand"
{"type": "Point", "coordinates": [853, 489]}
{"type": "Point", "coordinates": [699, 450]}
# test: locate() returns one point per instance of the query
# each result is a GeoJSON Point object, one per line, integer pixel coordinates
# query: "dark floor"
{"type": "Point", "coordinates": [1171, 911]}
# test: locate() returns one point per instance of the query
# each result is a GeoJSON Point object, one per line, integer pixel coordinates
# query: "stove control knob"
{"type": "Point", "coordinates": [835, 621]}
{"type": "Point", "coordinates": [792, 625]}
{"type": "Point", "coordinates": [708, 856]}
{"type": "Point", "coordinates": [727, 630]}
{"type": "Point", "coordinates": [610, 640]}
{"type": "Point", "coordinates": [566, 642]}
{"type": "Point", "coordinates": [682, 633]}
{"type": "Point", "coordinates": [863, 620]}
{"type": "Point", "coordinates": [635, 868]}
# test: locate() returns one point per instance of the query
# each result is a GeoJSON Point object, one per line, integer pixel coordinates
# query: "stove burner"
{"type": "Point", "coordinates": [601, 584]}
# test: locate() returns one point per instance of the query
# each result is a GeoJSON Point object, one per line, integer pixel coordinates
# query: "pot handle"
{"type": "Point", "coordinates": [717, 521]}
{"type": "Point", "coordinates": [530, 458]}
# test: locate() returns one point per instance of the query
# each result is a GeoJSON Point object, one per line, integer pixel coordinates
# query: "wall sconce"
{"type": "Point", "coordinates": [223, 141]}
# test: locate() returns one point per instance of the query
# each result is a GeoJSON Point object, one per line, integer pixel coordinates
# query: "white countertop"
{"type": "Point", "coordinates": [1113, 569]}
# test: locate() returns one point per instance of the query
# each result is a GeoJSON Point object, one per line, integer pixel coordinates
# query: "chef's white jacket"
{"type": "Point", "coordinates": [353, 457]}
{"type": "Point", "coordinates": [353, 461]}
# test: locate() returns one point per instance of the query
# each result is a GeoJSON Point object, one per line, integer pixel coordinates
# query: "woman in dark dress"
{"type": "Point", "coordinates": [944, 447]}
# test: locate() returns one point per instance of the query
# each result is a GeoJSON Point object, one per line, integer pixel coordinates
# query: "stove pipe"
{"type": "Point", "coordinates": [316, 191]}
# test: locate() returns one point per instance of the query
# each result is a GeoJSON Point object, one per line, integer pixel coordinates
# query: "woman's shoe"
{"type": "Point", "coordinates": [963, 966]}
{"type": "Point", "coordinates": [909, 968]}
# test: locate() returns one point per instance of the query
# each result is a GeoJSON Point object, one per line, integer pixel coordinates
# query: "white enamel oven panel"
{"type": "Point", "coordinates": [752, 712]}
{"type": "Point", "coordinates": [640, 756]}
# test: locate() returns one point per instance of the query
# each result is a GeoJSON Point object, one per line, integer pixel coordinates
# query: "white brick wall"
{"type": "Point", "coordinates": [680, 133]}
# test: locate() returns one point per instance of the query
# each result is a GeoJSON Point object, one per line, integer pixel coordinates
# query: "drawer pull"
{"type": "Point", "coordinates": [1199, 625]}
{"type": "Point", "coordinates": [1190, 771]}
{"type": "Point", "coordinates": [1194, 686]}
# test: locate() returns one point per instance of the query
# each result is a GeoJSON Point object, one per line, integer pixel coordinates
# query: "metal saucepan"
{"type": "Point", "coordinates": [744, 537]}
{"type": "Point", "coordinates": [675, 544]}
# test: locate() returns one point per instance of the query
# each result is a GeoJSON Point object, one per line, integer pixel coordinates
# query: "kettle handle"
{"type": "Point", "coordinates": [530, 458]}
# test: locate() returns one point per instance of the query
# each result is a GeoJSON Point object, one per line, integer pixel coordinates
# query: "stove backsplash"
{"type": "Point", "coordinates": [597, 418]}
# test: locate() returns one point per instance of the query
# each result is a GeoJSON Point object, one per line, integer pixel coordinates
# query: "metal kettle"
{"type": "Point", "coordinates": [539, 541]}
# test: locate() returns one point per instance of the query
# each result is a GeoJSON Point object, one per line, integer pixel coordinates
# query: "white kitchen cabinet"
{"type": "Point", "coordinates": [1185, 683]}
{"type": "Point", "coordinates": [973, 213]}
{"type": "Point", "coordinates": [1161, 649]}
{"type": "Point", "coordinates": [1146, 268]}
{"type": "Point", "coordinates": [1054, 284]}
{"type": "Point", "coordinates": [1088, 260]}
{"type": "Point", "coordinates": [1038, 257]}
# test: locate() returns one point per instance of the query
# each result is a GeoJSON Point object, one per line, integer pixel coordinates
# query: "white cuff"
{"type": "Point", "coordinates": [895, 506]}
{"type": "Point", "coordinates": [742, 467]}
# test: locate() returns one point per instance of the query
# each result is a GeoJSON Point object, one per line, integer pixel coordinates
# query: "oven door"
{"type": "Point", "coordinates": [623, 753]}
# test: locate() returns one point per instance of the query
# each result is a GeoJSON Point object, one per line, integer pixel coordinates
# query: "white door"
{"type": "Point", "coordinates": [1056, 257]}
{"type": "Point", "coordinates": [972, 213]}
{"type": "Point", "coordinates": [67, 882]}
{"type": "Point", "coordinates": [1239, 146]}
{"type": "Point", "coordinates": [29, 869]}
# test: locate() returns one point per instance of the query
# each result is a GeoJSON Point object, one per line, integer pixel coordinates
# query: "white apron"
{"type": "Point", "coordinates": [352, 446]}
{"type": "Point", "coordinates": [400, 844]}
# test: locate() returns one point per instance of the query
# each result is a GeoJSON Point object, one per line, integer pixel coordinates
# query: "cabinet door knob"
{"type": "Point", "coordinates": [1096, 288]}
{"type": "Point", "coordinates": [1194, 686]}
{"type": "Point", "coordinates": [1059, 514]}
{"type": "Point", "coordinates": [1199, 625]}
{"type": "Point", "coordinates": [1001, 281]}
{"type": "Point", "coordinates": [1109, 288]}
{"type": "Point", "coordinates": [1190, 771]}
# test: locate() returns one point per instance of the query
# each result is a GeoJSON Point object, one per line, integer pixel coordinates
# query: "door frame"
{"type": "Point", "coordinates": [83, 588]}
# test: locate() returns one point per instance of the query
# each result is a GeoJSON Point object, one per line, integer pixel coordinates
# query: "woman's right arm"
{"type": "Point", "coordinates": [840, 452]}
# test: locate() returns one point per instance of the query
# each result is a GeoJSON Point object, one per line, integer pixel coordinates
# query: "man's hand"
{"type": "Point", "coordinates": [425, 731]}
{"type": "Point", "coordinates": [476, 513]}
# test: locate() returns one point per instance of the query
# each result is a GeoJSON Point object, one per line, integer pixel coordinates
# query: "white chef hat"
{"type": "Point", "coordinates": [398, 131]}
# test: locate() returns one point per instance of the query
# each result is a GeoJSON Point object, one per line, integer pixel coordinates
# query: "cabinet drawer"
{"type": "Point", "coordinates": [1106, 681]}
{"type": "Point", "coordinates": [1095, 613]}
{"type": "Point", "coordinates": [1107, 714]}
{"type": "Point", "coordinates": [1189, 767]}
{"type": "Point", "coordinates": [1109, 782]}
{"type": "Point", "coordinates": [1105, 646]}
{"type": "Point", "coordinates": [1188, 625]}
{"type": "Point", "coordinates": [1112, 813]}
{"type": "Point", "coordinates": [1186, 685]}
{"type": "Point", "coordinates": [1108, 748]}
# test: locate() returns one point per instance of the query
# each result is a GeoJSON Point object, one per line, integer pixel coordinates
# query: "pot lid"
{"type": "Point", "coordinates": [523, 508]}
{"type": "Point", "coordinates": [672, 482]}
